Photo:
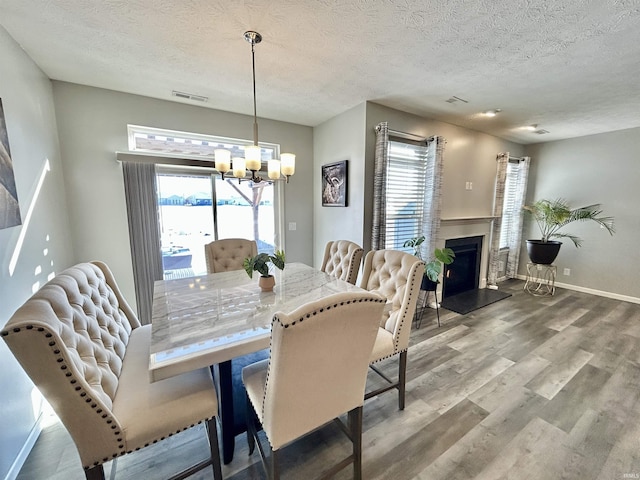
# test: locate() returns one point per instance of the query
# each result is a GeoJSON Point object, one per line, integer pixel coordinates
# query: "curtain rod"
{"type": "Point", "coordinates": [410, 136]}
{"type": "Point", "coordinates": [163, 159]}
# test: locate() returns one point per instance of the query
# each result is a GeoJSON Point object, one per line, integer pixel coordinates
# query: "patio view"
{"type": "Point", "coordinates": [189, 205]}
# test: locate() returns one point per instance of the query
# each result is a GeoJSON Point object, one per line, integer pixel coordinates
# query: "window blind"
{"type": "Point", "coordinates": [405, 195]}
{"type": "Point", "coordinates": [510, 211]}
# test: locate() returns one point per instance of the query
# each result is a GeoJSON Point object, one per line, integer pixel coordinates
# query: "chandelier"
{"type": "Point", "coordinates": [252, 160]}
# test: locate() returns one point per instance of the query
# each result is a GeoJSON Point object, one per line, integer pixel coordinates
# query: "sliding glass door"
{"type": "Point", "coordinates": [196, 208]}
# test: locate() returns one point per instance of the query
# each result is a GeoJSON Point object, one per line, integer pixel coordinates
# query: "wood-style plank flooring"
{"type": "Point", "coordinates": [525, 388]}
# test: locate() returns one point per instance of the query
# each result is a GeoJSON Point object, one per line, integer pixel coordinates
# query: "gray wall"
{"type": "Point", "coordinates": [604, 169]}
{"type": "Point", "coordinates": [469, 156]}
{"type": "Point", "coordinates": [341, 138]}
{"type": "Point", "coordinates": [92, 125]}
{"type": "Point", "coordinates": [42, 244]}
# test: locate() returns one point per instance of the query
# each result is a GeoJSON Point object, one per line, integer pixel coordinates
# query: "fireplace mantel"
{"type": "Point", "coordinates": [465, 220]}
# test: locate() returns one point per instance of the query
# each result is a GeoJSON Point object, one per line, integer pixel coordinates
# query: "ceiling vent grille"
{"type": "Point", "coordinates": [541, 131]}
{"type": "Point", "coordinates": [189, 96]}
{"type": "Point", "coordinates": [455, 99]}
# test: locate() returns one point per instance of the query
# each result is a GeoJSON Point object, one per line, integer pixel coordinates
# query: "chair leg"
{"type": "Point", "coordinates": [355, 427]}
{"type": "Point", "coordinates": [251, 426]}
{"type": "Point", "coordinates": [274, 465]}
{"type": "Point", "coordinates": [212, 433]}
{"type": "Point", "coordinates": [402, 379]}
{"type": "Point", "coordinates": [94, 473]}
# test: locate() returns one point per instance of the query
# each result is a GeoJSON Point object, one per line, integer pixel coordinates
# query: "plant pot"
{"type": "Point", "coordinates": [267, 283]}
{"type": "Point", "coordinates": [428, 284]}
{"type": "Point", "coordinates": [543, 252]}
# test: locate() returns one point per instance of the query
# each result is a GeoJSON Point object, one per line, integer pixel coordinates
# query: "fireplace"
{"type": "Point", "coordinates": [464, 273]}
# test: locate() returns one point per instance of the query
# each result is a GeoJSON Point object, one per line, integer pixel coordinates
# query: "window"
{"type": "Point", "coordinates": [509, 207]}
{"type": "Point", "coordinates": [197, 206]}
{"type": "Point", "coordinates": [405, 195]}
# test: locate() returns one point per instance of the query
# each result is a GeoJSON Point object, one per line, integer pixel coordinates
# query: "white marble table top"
{"type": "Point", "coordinates": [201, 321]}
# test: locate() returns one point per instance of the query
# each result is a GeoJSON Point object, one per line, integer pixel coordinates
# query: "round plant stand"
{"type": "Point", "coordinates": [541, 279]}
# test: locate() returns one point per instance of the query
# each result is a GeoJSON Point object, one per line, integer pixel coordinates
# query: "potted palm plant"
{"type": "Point", "coordinates": [433, 268]}
{"type": "Point", "coordinates": [260, 263]}
{"type": "Point", "coordinates": [553, 215]}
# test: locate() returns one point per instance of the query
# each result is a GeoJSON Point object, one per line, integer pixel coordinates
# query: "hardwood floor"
{"type": "Point", "coordinates": [528, 387]}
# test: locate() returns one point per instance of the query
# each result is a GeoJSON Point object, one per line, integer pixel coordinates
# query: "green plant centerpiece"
{"type": "Point", "coordinates": [433, 268]}
{"type": "Point", "coordinates": [260, 263]}
{"type": "Point", "coordinates": [553, 215]}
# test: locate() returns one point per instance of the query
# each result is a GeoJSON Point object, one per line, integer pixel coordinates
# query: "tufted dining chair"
{"type": "Point", "coordinates": [224, 256]}
{"type": "Point", "coordinates": [228, 254]}
{"type": "Point", "coordinates": [397, 276]}
{"type": "Point", "coordinates": [85, 350]}
{"type": "Point", "coordinates": [342, 259]}
{"type": "Point", "coordinates": [301, 387]}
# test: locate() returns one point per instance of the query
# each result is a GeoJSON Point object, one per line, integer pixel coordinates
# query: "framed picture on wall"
{"type": "Point", "coordinates": [9, 208]}
{"type": "Point", "coordinates": [334, 184]}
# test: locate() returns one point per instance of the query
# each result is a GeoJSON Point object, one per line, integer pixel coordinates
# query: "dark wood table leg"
{"type": "Point", "coordinates": [225, 408]}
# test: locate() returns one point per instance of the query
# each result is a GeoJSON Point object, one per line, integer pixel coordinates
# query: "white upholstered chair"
{"type": "Point", "coordinates": [342, 259]}
{"type": "Point", "coordinates": [316, 372]}
{"type": "Point", "coordinates": [397, 276]}
{"type": "Point", "coordinates": [83, 347]}
{"type": "Point", "coordinates": [228, 254]}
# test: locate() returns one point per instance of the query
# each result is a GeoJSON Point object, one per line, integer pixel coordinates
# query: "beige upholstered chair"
{"type": "Point", "coordinates": [342, 259]}
{"type": "Point", "coordinates": [228, 254]}
{"type": "Point", "coordinates": [396, 275]}
{"type": "Point", "coordinates": [83, 347]}
{"type": "Point", "coordinates": [301, 386]}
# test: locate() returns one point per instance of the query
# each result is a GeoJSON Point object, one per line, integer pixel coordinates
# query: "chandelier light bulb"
{"type": "Point", "coordinates": [274, 169]}
{"type": "Point", "coordinates": [222, 160]}
{"type": "Point", "coordinates": [239, 167]}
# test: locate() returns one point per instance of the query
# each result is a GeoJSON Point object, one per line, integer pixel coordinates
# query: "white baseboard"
{"type": "Point", "coordinates": [601, 293]}
{"type": "Point", "coordinates": [15, 468]}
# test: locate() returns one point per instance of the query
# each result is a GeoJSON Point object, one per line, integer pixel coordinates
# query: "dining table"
{"type": "Point", "coordinates": [210, 320]}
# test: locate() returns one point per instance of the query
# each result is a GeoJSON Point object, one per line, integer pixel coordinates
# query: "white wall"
{"type": "Point", "coordinates": [92, 125]}
{"type": "Point", "coordinates": [602, 169]}
{"type": "Point", "coordinates": [42, 245]}
{"type": "Point", "coordinates": [341, 138]}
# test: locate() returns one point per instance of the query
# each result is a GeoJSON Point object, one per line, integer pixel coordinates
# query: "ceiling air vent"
{"type": "Point", "coordinates": [541, 131]}
{"type": "Point", "coordinates": [189, 96]}
{"type": "Point", "coordinates": [455, 99]}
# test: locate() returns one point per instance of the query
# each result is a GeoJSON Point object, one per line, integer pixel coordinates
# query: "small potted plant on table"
{"type": "Point", "coordinates": [260, 263]}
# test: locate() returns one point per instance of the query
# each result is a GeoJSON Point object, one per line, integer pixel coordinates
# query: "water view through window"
{"type": "Point", "coordinates": [196, 209]}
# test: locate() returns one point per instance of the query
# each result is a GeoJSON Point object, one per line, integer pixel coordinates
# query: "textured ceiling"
{"type": "Point", "coordinates": [570, 66]}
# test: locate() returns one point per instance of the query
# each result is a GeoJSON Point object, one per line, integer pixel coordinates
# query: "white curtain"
{"type": "Point", "coordinates": [510, 191]}
{"type": "Point", "coordinates": [144, 232]}
{"type": "Point", "coordinates": [378, 238]}
{"type": "Point", "coordinates": [433, 194]}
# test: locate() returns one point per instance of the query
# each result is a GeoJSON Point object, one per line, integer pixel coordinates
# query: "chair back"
{"type": "Point", "coordinates": [342, 260]}
{"type": "Point", "coordinates": [396, 276]}
{"type": "Point", "coordinates": [318, 366]}
{"type": "Point", "coordinates": [228, 254]}
{"type": "Point", "coordinates": [70, 338]}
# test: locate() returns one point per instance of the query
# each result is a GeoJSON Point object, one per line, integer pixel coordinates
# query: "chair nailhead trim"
{"type": "Point", "coordinates": [94, 405]}
{"type": "Point", "coordinates": [276, 319]}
